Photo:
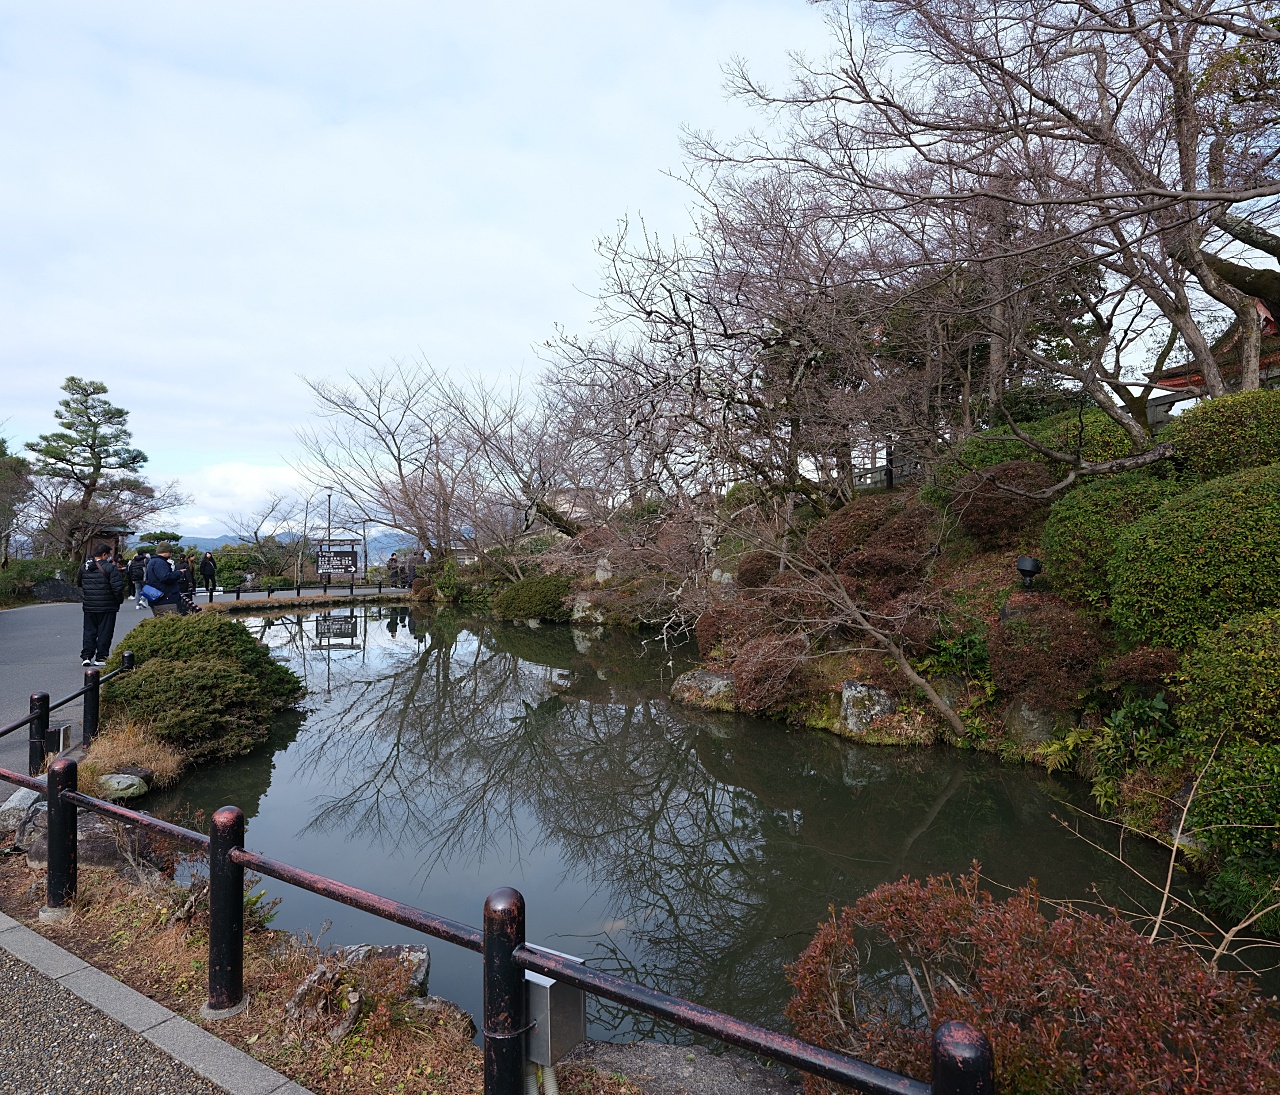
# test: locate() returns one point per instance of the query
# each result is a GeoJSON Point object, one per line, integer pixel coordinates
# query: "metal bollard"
{"type": "Point", "coordinates": [237, 593]}
{"type": "Point", "coordinates": [211, 596]}
{"type": "Point", "coordinates": [504, 1022]}
{"type": "Point", "coordinates": [963, 1063]}
{"type": "Point", "coordinates": [226, 916]}
{"type": "Point", "coordinates": [126, 660]}
{"type": "Point", "coordinates": [92, 704]}
{"type": "Point", "coordinates": [61, 880]}
{"type": "Point", "coordinates": [35, 732]}
{"type": "Point", "coordinates": [297, 590]}
{"type": "Point", "coordinates": [379, 587]}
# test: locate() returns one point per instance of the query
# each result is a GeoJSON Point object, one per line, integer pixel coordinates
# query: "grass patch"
{"type": "Point", "coordinates": [128, 743]}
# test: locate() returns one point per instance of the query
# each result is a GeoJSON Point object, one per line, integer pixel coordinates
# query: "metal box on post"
{"type": "Point", "coordinates": [557, 1014]}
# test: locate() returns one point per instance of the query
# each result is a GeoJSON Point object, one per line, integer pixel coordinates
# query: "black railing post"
{"type": "Point", "coordinates": [92, 704]}
{"type": "Point", "coordinates": [61, 879]}
{"type": "Point", "coordinates": [226, 915]}
{"type": "Point", "coordinates": [35, 732]}
{"type": "Point", "coordinates": [379, 587]}
{"type": "Point", "coordinates": [126, 660]}
{"type": "Point", "coordinates": [238, 592]}
{"type": "Point", "coordinates": [503, 993]}
{"type": "Point", "coordinates": [297, 589]}
{"type": "Point", "coordinates": [352, 591]}
{"type": "Point", "coordinates": [962, 1061]}
{"type": "Point", "coordinates": [211, 594]}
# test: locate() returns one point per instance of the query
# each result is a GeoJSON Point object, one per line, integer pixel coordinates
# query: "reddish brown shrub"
{"type": "Point", "coordinates": [756, 568]}
{"type": "Point", "coordinates": [1078, 1005]}
{"type": "Point", "coordinates": [1047, 654]}
{"type": "Point", "coordinates": [991, 515]}
{"type": "Point", "coordinates": [849, 528]}
{"type": "Point", "coordinates": [709, 630]}
{"type": "Point", "coordinates": [768, 672]}
{"type": "Point", "coordinates": [1144, 671]}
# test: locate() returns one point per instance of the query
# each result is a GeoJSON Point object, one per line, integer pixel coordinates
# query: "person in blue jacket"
{"type": "Point", "coordinates": [103, 588]}
{"type": "Point", "coordinates": [162, 575]}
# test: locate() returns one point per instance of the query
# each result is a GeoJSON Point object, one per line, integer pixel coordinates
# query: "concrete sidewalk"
{"type": "Point", "coordinates": [69, 1029]}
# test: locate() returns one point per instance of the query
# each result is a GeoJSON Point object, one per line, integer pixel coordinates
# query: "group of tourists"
{"type": "Point", "coordinates": [403, 573]}
{"type": "Point", "coordinates": [154, 580]}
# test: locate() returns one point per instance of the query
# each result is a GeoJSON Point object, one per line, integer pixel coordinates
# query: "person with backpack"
{"type": "Point", "coordinates": [137, 575]}
{"type": "Point", "coordinates": [209, 571]}
{"type": "Point", "coordinates": [163, 578]}
{"type": "Point", "coordinates": [103, 587]}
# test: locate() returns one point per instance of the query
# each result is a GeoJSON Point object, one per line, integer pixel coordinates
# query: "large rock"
{"type": "Point", "coordinates": [99, 842]}
{"type": "Point", "coordinates": [704, 688]}
{"type": "Point", "coordinates": [585, 611]}
{"type": "Point", "coordinates": [119, 786]}
{"type": "Point", "coordinates": [1027, 726]}
{"type": "Point", "coordinates": [16, 808]}
{"type": "Point", "coordinates": [860, 705]}
{"type": "Point", "coordinates": [55, 589]}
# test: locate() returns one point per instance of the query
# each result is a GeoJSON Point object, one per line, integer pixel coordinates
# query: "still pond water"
{"type": "Point", "coordinates": [441, 757]}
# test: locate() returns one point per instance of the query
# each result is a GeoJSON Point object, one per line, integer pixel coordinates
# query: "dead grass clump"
{"type": "Point", "coordinates": [131, 744]}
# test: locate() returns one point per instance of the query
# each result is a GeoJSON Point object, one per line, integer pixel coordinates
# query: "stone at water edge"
{"type": "Point", "coordinates": [119, 786]}
{"type": "Point", "coordinates": [705, 688]}
{"type": "Point", "coordinates": [1027, 726]}
{"type": "Point", "coordinates": [414, 955]}
{"type": "Point", "coordinates": [861, 704]}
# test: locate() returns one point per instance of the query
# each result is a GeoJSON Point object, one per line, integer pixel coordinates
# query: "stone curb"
{"type": "Point", "coordinates": [206, 1055]}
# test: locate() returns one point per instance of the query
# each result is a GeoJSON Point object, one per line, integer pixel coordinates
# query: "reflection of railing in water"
{"type": "Point", "coordinates": [962, 1061]}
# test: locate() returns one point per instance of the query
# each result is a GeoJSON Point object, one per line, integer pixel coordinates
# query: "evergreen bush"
{"type": "Point", "coordinates": [1228, 434]}
{"type": "Point", "coordinates": [204, 637]}
{"type": "Point", "coordinates": [209, 709]}
{"type": "Point", "coordinates": [1201, 558]}
{"type": "Point", "coordinates": [1231, 683]}
{"type": "Point", "coordinates": [1084, 525]}
{"type": "Point", "coordinates": [541, 597]}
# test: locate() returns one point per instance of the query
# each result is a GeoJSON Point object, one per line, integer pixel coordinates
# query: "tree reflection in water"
{"type": "Point", "coordinates": [719, 841]}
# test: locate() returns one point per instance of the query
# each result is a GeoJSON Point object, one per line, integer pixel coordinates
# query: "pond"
{"type": "Point", "coordinates": [441, 757]}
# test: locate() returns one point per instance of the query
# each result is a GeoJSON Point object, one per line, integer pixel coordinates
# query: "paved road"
{"type": "Point", "coordinates": [40, 652]}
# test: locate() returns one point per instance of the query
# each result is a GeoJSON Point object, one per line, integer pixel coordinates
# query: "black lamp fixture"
{"type": "Point", "coordinates": [1028, 568]}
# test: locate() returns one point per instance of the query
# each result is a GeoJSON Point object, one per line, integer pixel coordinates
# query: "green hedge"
{"type": "Point", "coordinates": [1084, 525]}
{"type": "Point", "coordinates": [208, 636]}
{"type": "Point", "coordinates": [1228, 434]}
{"type": "Point", "coordinates": [20, 575]}
{"type": "Point", "coordinates": [1231, 683]}
{"type": "Point", "coordinates": [1203, 557]}
{"type": "Point", "coordinates": [208, 709]}
{"type": "Point", "coordinates": [541, 597]}
{"type": "Point", "coordinates": [1096, 435]}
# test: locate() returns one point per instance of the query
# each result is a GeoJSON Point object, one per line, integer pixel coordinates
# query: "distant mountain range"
{"type": "Point", "coordinates": [380, 546]}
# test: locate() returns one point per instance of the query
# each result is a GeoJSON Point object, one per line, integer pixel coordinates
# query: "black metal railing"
{"type": "Point", "coordinates": [40, 744]}
{"type": "Point", "coordinates": [962, 1058]}
{"type": "Point", "coordinates": [296, 588]}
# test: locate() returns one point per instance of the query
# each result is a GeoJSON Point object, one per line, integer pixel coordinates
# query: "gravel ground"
{"type": "Point", "coordinates": [65, 1047]}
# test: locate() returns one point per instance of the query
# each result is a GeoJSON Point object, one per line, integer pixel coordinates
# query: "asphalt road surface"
{"type": "Point", "coordinates": [40, 652]}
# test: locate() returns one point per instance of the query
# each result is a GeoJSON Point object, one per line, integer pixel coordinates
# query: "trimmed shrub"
{"type": "Point", "coordinates": [541, 597]}
{"type": "Point", "coordinates": [1084, 525]}
{"type": "Point", "coordinates": [1144, 672]}
{"type": "Point", "coordinates": [709, 630]}
{"type": "Point", "coordinates": [756, 568]}
{"type": "Point", "coordinates": [1078, 1004]}
{"type": "Point", "coordinates": [1203, 557]}
{"type": "Point", "coordinates": [1047, 655]}
{"type": "Point", "coordinates": [834, 538]}
{"type": "Point", "coordinates": [204, 637]}
{"type": "Point", "coordinates": [1235, 808]}
{"type": "Point", "coordinates": [1228, 434]}
{"type": "Point", "coordinates": [1231, 683]}
{"type": "Point", "coordinates": [1090, 432]}
{"type": "Point", "coordinates": [421, 589]}
{"type": "Point", "coordinates": [993, 516]}
{"type": "Point", "coordinates": [208, 709]}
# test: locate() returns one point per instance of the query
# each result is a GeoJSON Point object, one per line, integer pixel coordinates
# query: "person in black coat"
{"type": "Point", "coordinates": [138, 575]}
{"type": "Point", "coordinates": [103, 587]}
{"type": "Point", "coordinates": [209, 571]}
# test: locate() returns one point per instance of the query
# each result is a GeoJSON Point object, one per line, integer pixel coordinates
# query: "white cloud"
{"type": "Point", "coordinates": [200, 203]}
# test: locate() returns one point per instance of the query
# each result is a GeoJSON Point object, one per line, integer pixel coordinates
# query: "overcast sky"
{"type": "Point", "coordinates": [198, 203]}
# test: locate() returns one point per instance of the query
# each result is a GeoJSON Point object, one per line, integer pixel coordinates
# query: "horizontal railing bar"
{"type": "Point", "coordinates": [132, 817]}
{"type": "Point", "coordinates": [22, 780]}
{"type": "Point", "coordinates": [438, 926]}
{"type": "Point", "coordinates": [81, 691]}
{"type": "Point", "coordinates": [780, 1047]}
{"type": "Point", "coordinates": [11, 727]}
